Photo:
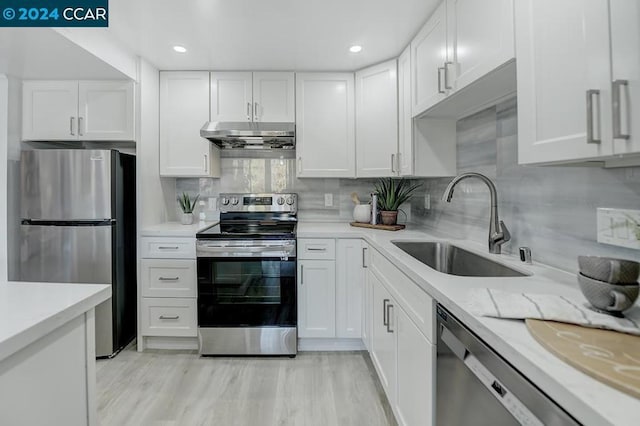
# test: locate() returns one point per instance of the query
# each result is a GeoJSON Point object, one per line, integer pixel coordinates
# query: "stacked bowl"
{"type": "Point", "coordinates": [610, 285]}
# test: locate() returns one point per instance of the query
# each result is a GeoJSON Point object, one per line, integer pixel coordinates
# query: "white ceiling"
{"type": "Point", "coordinates": [41, 53]}
{"type": "Point", "coordinates": [267, 34]}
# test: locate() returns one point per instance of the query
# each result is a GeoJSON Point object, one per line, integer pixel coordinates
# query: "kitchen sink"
{"type": "Point", "coordinates": [452, 260]}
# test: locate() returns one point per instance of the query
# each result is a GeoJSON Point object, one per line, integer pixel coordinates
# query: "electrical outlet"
{"type": "Point", "coordinates": [619, 227]}
{"type": "Point", "coordinates": [328, 200]}
{"type": "Point", "coordinates": [427, 201]}
{"type": "Point", "coordinates": [213, 201]}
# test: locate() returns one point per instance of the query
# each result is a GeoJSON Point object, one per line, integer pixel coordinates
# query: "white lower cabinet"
{"type": "Point", "coordinates": [316, 298]}
{"type": "Point", "coordinates": [397, 332]}
{"type": "Point", "coordinates": [383, 338]}
{"type": "Point", "coordinates": [349, 287]}
{"type": "Point", "coordinates": [415, 375]}
{"type": "Point", "coordinates": [168, 280]}
{"type": "Point", "coordinates": [330, 289]}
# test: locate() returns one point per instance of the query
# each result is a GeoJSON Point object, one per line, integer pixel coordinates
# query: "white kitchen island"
{"type": "Point", "coordinates": [47, 353]}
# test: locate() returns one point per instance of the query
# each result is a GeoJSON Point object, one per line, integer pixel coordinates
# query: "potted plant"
{"type": "Point", "coordinates": [187, 205]}
{"type": "Point", "coordinates": [391, 194]}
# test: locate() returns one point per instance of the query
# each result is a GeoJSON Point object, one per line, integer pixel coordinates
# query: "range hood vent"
{"type": "Point", "coordinates": [250, 135]}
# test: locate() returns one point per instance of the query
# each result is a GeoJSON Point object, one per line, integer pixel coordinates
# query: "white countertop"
{"type": "Point", "coordinates": [588, 400]}
{"type": "Point", "coordinates": [175, 229]}
{"type": "Point", "coordinates": [30, 311]}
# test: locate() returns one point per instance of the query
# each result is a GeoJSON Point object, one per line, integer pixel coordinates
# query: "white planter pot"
{"type": "Point", "coordinates": [187, 218]}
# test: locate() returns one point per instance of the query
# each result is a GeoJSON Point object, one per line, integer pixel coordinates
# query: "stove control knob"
{"type": "Point", "coordinates": [290, 200]}
{"type": "Point", "coordinates": [234, 200]}
{"type": "Point", "coordinates": [280, 201]}
{"type": "Point", "coordinates": [224, 201]}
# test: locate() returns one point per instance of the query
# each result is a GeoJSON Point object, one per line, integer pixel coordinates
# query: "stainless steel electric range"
{"type": "Point", "coordinates": [247, 277]}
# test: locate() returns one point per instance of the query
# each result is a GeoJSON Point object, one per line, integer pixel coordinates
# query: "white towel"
{"type": "Point", "coordinates": [502, 304]}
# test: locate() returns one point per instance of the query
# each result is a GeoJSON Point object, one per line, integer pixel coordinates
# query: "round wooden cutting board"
{"type": "Point", "coordinates": [608, 356]}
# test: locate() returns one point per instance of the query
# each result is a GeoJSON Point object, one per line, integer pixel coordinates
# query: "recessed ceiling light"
{"type": "Point", "coordinates": [180, 49]}
{"type": "Point", "coordinates": [355, 48]}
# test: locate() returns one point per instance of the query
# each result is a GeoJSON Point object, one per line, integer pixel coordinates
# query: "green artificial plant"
{"type": "Point", "coordinates": [394, 192]}
{"type": "Point", "coordinates": [186, 204]}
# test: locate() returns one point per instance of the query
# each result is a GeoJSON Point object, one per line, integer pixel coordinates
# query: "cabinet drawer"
{"type": "Point", "coordinates": [416, 303]}
{"type": "Point", "coordinates": [168, 247]}
{"type": "Point", "coordinates": [316, 248]}
{"type": "Point", "coordinates": [168, 317]}
{"type": "Point", "coordinates": [168, 277]}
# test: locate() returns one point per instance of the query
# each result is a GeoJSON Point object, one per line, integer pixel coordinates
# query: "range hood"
{"type": "Point", "coordinates": [250, 135]}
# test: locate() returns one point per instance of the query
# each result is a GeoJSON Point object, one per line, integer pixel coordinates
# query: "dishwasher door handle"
{"type": "Point", "coordinates": [453, 343]}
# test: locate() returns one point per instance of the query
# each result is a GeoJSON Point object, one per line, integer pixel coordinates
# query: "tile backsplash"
{"type": "Point", "coordinates": [552, 210]}
{"type": "Point", "coordinates": [268, 172]}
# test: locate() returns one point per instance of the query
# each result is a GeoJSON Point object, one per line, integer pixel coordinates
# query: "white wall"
{"type": "Point", "coordinates": [4, 102]}
{"type": "Point", "coordinates": [14, 124]}
{"type": "Point", "coordinates": [152, 190]}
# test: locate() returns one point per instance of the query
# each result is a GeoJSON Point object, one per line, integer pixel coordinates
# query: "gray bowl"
{"type": "Point", "coordinates": [607, 297]}
{"type": "Point", "coordinates": [614, 271]}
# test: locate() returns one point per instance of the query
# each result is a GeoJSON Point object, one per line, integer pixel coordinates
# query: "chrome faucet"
{"type": "Point", "coordinates": [498, 232]}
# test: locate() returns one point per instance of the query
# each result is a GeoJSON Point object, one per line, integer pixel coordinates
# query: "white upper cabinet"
{"type": "Point", "coordinates": [405, 122]}
{"type": "Point", "coordinates": [184, 109]}
{"type": "Point", "coordinates": [564, 80]}
{"type": "Point", "coordinates": [231, 96]}
{"type": "Point", "coordinates": [274, 97]}
{"type": "Point", "coordinates": [625, 43]}
{"type": "Point", "coordinates": [50, 110]}
{"type": "Point", "coordinates": [429, 59]}
{"type": "Point", "coordinates": [72, 110]}
{"type": "Point", "coordinates": [463, 42]}
{"type": "Point", "coordinates": [247, 96]}
{"type": "Point", "coordinates": [325, 125]}
{"type": "Point", "coordinates": [480, 38]}
{"type": "Point", "coordinates": [377, 120]}
{"type": "Point", "coordinates": [105, 110]}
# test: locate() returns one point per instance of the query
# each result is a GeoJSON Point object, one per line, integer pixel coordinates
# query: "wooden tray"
{"type": "Point", "coordinates": [383, 227]}
{"type": "Point", "coordinates": [608, 356]}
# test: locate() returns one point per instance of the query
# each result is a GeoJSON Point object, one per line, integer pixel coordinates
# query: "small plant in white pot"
{"type": "Point", "coordinates": [391, 194]}
{"type": "Point", "coordinates": [187, 205]}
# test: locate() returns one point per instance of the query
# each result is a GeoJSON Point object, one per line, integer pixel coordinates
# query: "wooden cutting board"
{"type": "Point", "coordinates": [608, 356]}
{"type": "Point", "coordinates": [380, 226]}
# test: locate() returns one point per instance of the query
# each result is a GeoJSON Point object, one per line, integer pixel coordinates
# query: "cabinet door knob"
{"type": "Point", "coordinates": [172, 317]}
{"type": "Point", "coordinates": [80, 132]}
{"type": "Point", "coordinates": [393, 160]}
{"type": "Point", "coordinates": [249, 111]}
{"type": "Point", "coordinates": [301, 274]}
{"type": "Point", "coordinates": [440, 69]}
{"type": "Point", "coordinates": [255, 111]}
{"type": "Point", "coordinates": [71, 126]}
{"type": "Point", "coordinates": [385, 312]}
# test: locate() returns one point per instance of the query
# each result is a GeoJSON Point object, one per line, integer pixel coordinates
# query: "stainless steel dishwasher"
{"type": "Point", "coordinates": [475, 386]}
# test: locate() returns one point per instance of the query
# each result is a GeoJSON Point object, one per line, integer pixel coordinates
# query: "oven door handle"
{"type": "Point", "coordinates": [250, 249]}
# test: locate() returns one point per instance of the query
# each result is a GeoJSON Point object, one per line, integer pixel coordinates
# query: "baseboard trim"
{"type": "Point", "coordinates": [313, 345]}
{"type": "Point", "coordinates": [171, 343]}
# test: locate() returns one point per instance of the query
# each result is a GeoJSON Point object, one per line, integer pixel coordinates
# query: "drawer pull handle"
{"type": "Point", "coordinates": [385, 312]}
{"type": "Point", "coordinates": [364, 264]}
{"type": "Point", "coordinates": [168, 248]}
{"type": "Point", "coordinates": [168, 278]}
{"type": "Point", "coordinates": [165, 317]}
{"type": "Point", "coordinates": [316, 249]}
{"type": "Point", "coordinates": [389, 307]}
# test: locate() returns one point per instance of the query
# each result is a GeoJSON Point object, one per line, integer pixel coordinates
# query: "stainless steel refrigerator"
{"type": "Point", "coordinates": [79, 226]}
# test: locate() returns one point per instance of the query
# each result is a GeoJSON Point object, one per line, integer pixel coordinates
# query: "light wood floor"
{"type": "Point", "coordinates": [181, 388]}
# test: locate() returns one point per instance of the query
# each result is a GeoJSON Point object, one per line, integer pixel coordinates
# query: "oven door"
{"type": "Point", "coordinates": [247, 291]}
